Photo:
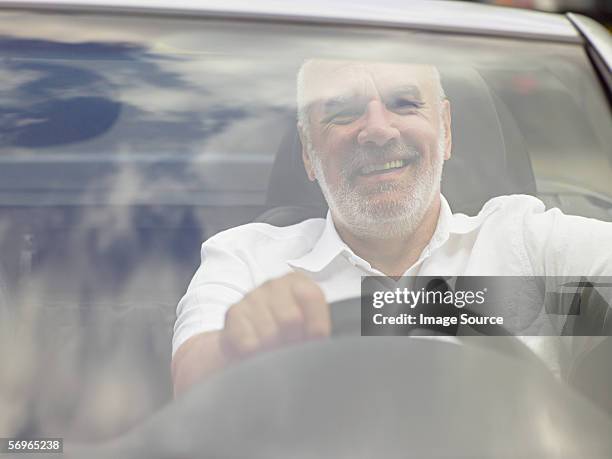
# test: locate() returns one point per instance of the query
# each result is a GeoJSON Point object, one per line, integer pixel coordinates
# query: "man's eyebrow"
{"type": "Point", "coordinates": [341, 100]}
{"type": "Point", "coordinates": [407, 89]}
{"type": "Point", "coordinates": [333, 103]}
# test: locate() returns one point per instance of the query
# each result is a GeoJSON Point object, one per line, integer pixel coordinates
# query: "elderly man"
{"type": "Point", "coordinates": [375, 137]}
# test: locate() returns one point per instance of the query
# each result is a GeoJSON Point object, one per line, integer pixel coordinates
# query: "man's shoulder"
{"type": "Point", "coordinates": [507, 211]}
{"type": "Point", "coordinates": [246, 236]}
{"type": "Point", "coordinates": [512, 205]}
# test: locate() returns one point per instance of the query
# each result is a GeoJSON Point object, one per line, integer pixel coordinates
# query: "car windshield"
{"type": "Point", "coordinates": [127, 141]}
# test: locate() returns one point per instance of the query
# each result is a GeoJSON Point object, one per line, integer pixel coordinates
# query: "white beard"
{"type": "Point", "coordinates": [369, 220]}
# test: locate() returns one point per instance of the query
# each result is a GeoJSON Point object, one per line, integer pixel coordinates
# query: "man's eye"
{"type": "Point", "coordinates": [344, 117]}
{"type": "Point", "coordinates": [404, 105]}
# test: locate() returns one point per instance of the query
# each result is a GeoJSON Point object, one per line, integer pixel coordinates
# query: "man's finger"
{"type": "Point", "coordinates": [317, 321]}
{"type": "Point", "coordinates": [239, 335]}
{"type": "Point", "coordinates": [262, 319]}
{"type": "Point", "coordinates": [286, 311]}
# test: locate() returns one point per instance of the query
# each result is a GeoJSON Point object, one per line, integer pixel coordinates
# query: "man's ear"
{"type": "Point", "coordinates": [305, 156]}
{"type": "Point", "coordinates": [446, 125]}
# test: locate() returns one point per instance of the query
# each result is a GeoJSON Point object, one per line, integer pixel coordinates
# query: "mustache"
{"type": "Point", "coordinates": [364, 156]}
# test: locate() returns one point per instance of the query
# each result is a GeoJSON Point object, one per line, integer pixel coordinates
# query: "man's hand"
{"type": "Point", "coordinates": [281, 311]}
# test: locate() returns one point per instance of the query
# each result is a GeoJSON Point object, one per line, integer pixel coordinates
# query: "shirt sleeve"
{"type": "Point", "coordinates": [567, 245]}
{"type": "Point", "coordinates": [571, 248]}
{"type": "Point", "coordinates": [221, 280]}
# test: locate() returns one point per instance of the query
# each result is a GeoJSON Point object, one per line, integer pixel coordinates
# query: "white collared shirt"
{"type": "Point", "coordinates": [511, 236]}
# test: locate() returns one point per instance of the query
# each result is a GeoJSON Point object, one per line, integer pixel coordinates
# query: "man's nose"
{"type": "Point", "coordinates": [377, 128]}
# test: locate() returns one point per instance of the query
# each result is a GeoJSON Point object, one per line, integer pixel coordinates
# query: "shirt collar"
{"type": "Point", "coordinates": [330, 245]}
{"type": "Point", "coordinates": [449, 223]}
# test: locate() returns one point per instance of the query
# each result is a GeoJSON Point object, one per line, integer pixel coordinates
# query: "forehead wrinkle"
{"type": "Point", "coordinates": [417, 78]}
{"type": "Point", "coordinates": [352, 74]}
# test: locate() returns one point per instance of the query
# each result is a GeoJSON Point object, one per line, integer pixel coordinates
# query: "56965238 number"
{"type": "Point", "coordinates": [31, 445]}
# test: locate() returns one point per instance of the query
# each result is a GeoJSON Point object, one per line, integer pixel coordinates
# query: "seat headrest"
{"type": "Point", "coordinates": [489, 157]}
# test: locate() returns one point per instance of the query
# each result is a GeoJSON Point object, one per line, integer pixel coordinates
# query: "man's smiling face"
{"type": "Point", "coordinates": [375, 138]}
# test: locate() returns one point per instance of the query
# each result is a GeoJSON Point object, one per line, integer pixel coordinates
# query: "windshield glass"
{"type": "Point", "coordinates": [126, 142]}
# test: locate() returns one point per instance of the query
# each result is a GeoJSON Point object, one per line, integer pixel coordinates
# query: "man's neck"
{"type": "Point", "coordinates": [393, 256]}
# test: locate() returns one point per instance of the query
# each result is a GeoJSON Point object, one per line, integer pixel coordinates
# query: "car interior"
{"type": "Point", "coordinates": [91, 279]}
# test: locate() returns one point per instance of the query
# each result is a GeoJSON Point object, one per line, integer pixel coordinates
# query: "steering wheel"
{"type": "Point", "coordinates": [352, 396]}
{"type": "Point", "coordinates": [346, 321]}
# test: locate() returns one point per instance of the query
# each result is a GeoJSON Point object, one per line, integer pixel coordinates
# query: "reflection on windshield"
{"type": "Point", "coordinates": [122, 151]}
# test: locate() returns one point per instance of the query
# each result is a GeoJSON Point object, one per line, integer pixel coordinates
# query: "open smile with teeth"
{"type": "Point", "coordinates": [384, 167]}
